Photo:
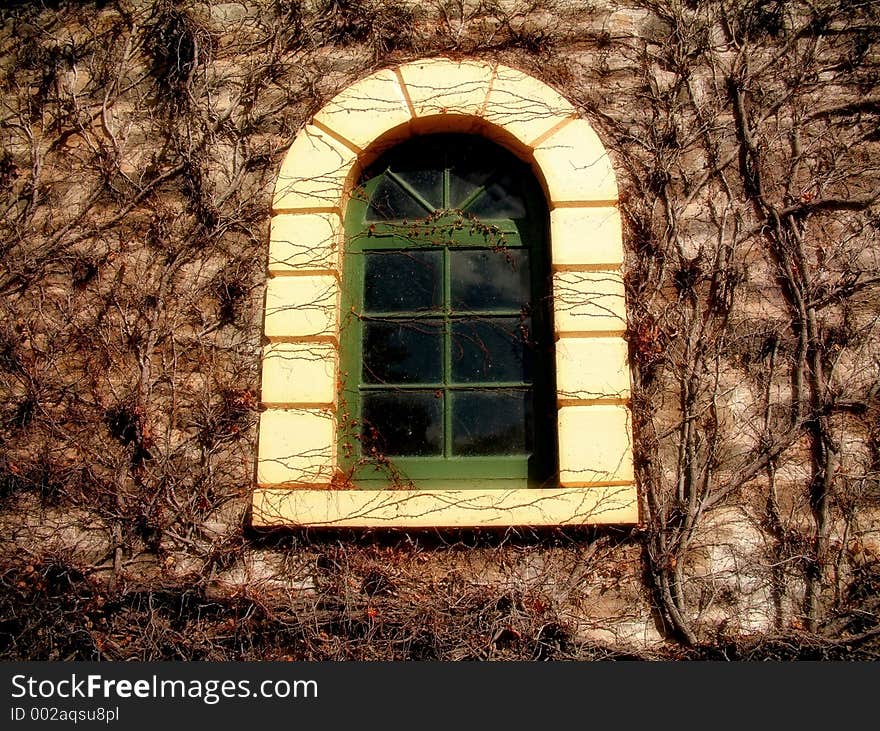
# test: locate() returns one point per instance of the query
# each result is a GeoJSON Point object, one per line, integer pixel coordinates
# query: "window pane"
{"type": "Point", "coordinates": [501, 199]}
{"type": "Point", "coordinates": [488, 280]}
{"type": "Point", "coordinates": [427, 182]}
{"type": "Point", "coordinates": [396, 281]}
{"type": "Point", "coordinates": [390, 202]}
{"type": "Point", "coordinates": [465, 179]}
{"type": "Point", "coordinates": [402, 352]}
{"type": "Point", "coordinates": [491, 422]}
{"type": "Point", "coordinates": [402, 423]}
{"type": "Point", "coordinates": [491, 350]}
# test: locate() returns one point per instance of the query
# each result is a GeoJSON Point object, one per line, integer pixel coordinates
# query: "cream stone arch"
{"type": "Point", "coordinates": [297, 441]}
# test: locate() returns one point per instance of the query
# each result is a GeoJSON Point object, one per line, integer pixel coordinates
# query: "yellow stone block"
{"type": "Point", "coordinates": [592, 368]}
{"type": "Point", "coordinates": [299, 374]}
{"type": "Point", "coordinates": [366, 110]}
{"type": "Point", "coordinates": [595, 445]}
{"type": "Point", "coordinates": [304, 241]}
{"type": "Point", "coordinates": [297, 446]}
{"type": "Point", "coordinates": [588, 302]}
{"type": "Point", "coordinates": [443, 86]}
{"type": "Point", "coordinates": [586, 236]}
{"type": "Point", "coordinates": [445, 508]}
{"type": "Point", "coordinates": [314, 173]}
{"type": "Point", "coordinates": [576, 165]}
{"type": "Point", "coordinates": [524, 106]}
{"type": "Point", "coordinates": [301, 306]}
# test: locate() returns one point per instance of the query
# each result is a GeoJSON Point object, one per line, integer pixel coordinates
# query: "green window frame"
{"type": "Point", "coordinates": [446, 268]}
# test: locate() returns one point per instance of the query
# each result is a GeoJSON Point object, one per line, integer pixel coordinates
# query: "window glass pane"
{"type": "Point", "coordinates": [427, 182]}
{"type": "Point", "coordinates": [390, 202]}
{"type": "Point", "coordinates": [403, 352]}
{"type": "Point", "coordinates": [490, 279]}
{"type": "Point", "coordinates": [402, 423]}
{"type": "Point", "coordinates": [491, 350]}
{"type": "Point", "coordinates": [491, 422]}
{"type": "Point", "coordinates": [501, 199]}
{"type": "Point", "coordinates": [465, 179]}
{"type": "Point", "coordinates": [397, 281]}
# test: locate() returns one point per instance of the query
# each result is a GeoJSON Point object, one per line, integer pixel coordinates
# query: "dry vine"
{"type": "Point", "coordinates": [140, 143]}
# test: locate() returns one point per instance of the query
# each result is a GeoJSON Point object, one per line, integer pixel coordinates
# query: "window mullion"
{"type": "Point", "coordinates": [491, 385]}
{"type": "Point", "coordinates": [447, 348]}
{"type": "Point", "coordinates": [487, 315]}
{"type": "Point", "coordinates": [403, 316]}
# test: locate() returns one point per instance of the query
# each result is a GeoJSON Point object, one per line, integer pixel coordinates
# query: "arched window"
{"type": "Point", "coordinates": [408, 336]}
{"type": "Point", "coordinates": [446, 341]}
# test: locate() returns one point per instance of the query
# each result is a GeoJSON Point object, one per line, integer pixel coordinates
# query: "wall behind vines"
{"type": "Point", "coordinates": [139, 143]}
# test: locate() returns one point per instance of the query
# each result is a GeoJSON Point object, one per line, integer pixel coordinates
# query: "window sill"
{"type": "Point", "coordinates": [474, 508]}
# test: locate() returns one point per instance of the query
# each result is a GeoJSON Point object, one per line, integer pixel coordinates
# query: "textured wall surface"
{"type": "Point", "coordinates": [140, 143]}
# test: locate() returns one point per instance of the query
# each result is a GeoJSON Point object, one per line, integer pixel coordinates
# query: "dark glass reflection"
{"type": "Point", "coordinates": [402, 352]}
{"type": "Point", "coordinates": [491, 422]}
{"type": "Point", "coordinates": [402, 423]}
{"type": "Point", "coordinates": [490, 279]}
{"type": "Point", "coordinates": [491, 350]}
{"type": "Point", "coordinates": [465, 179]}
{"type": "Point", "coordinates": [390, 202]}
{"type": "Point", "coordinates": [501, 199]}
{"type": "Point", "coordinates": [396, 281]}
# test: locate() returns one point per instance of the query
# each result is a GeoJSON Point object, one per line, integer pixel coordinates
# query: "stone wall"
{"type": "Point", "coordinates": [141, 143]}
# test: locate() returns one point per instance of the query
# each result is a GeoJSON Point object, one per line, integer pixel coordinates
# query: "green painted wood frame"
{"type": "Point", "coordinates": [448, 230]}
